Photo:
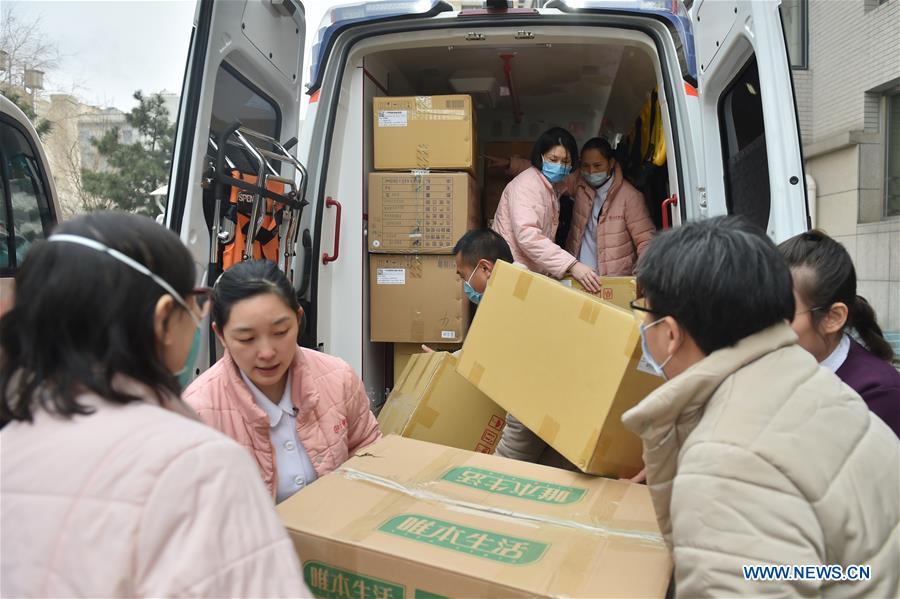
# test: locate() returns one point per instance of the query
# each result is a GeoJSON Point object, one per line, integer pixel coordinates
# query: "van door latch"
{"type": "Point", "coordinates": [473, 36]}
{"type": "Point", "coordinates": [524, 35]}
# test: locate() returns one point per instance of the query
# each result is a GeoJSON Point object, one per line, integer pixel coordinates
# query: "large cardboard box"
{"type": "Point", "coordinates": [620, 291]}
{"type": "Point", "coordinates": [432, 402]}
{"type": "Point", "coordinates": [421, 213]}
{"type": "Point", "coordinates": [408, 519]}
{"type": "Point", "coordinates": [563, 362]}
{"type": "Point", "coordinates": [424, 132]}
{"type": "Point", "coordinates": [416, 299]}
{"type": "Point", "coordinates": [496, 179]}
{"type": "Point", "coordinates": [403, 352]}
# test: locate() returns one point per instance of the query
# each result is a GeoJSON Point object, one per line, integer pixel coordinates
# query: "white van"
{"type": "Point", "coordinates": [720, 67]}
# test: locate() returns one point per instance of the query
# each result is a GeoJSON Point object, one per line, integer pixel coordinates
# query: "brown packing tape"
{"type": "Point", "coordinates": [425, 416]}
{"type": "Point", "coordinates": [476, 373]}
{"type": "Point", "coordinates": [417, 327]}
{"type": "Point", "coordinates": [522, 286]}
{"type": "Point", "coordinates": [590, 311]}
{"type": "Point", "coordinates": [548, 430]}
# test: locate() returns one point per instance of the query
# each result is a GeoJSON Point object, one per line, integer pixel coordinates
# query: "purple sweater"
{"type": "Point", "coordinates": [876, 381]}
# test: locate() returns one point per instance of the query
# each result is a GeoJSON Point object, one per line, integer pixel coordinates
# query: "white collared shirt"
{"type": "Point", "coordinates": [292, 463]}
{"type": "Point", "coordinates": [588, 253]}
{"type": "Point", "coordinates": [838, 356]}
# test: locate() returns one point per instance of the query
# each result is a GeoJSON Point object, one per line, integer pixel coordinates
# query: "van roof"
{"type": "Point", "coordinates": [339, 18]}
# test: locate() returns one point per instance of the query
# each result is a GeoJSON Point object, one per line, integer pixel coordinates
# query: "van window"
{"type": "Point", "coordinates": [24, 196]}
{"type": "Point", "coordinates": [237, 99]}
{"type": "Point", "coordinates": [743, 133]}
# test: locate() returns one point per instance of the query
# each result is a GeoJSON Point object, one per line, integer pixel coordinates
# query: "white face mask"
{"type": "Point", "coordinates": [648, 357]}
{"type": "Point", "coordinates": [598, 180]}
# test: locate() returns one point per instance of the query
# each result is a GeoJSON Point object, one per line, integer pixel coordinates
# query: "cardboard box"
{"type": "Point", "coordinates": [404, 351]}
{"type": "Point", "coordinates": [416, 299]}
{"type": "Point", "coordinates": [620, 291]}
{"type": "Point", "coordinates": [563, 362]}
{"type": "Point", "coordinates": [408, 519]}
{"type": "Point", "coordinates": [424, 132]}
{"type": "Point", "coordinates": [496, 179]}
{"type": "Point", "coordinates": [421, 213]}
{"type": "Point", "coordinates": [432, 402]}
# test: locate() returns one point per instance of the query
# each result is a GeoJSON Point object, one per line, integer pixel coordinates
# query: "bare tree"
{"type": "Point", "coordinates": [81, 199]}
{"type": "Point", "coordinates": [26, 48]}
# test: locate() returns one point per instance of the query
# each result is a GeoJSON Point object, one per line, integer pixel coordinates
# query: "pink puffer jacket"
{"type": "Point", "coordinates": [136, 500]}
{"type": "Point", "coordinates": [527, 218]}
{"type": "Point", "coordinates": [624, 230]}
{"type": "Point", "coordinates": [333, 419]}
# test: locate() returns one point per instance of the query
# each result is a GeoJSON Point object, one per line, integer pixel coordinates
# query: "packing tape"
{"type": "Point", "coordinates": [416, 493]}
{"type": "Point", "coordinates": [417, 327]}
{"type": "Point", "coordinates": [548, 430]}
{"type": "Point", "coordinates": [590, 311]}
{"type": "Point", "coordinates": [476, 373]}
{"type": "Point", "coordinates": [425, 415]}
{"type": "Point", "coordinates": [520, 291]}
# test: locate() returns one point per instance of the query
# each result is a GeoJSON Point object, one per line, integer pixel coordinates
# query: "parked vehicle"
{"type": "Point", "coordinates": [720, 71]}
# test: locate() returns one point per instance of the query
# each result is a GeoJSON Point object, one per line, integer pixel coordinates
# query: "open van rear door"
{"type": "Point", "coordinates": [244, 66]}
{"type": "Point", "coordinates": [750, 133]}
{"type": "Point", "coordinates": [241, 95]}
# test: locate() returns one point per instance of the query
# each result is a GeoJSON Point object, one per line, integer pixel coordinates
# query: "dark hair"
{"type": "Point", "coordinates": [601, 145]}
{"type": "Point", "coordinates": [82, 317]}
{"type": "Point", "coordinates": [722, 279]}
{"type": "Point", "coordinates": [827, 276]}
{"type": "Point", "coordinates": [549, 139]}
{"type": "Point", "coordinates": [482, 244]}
{"type": "Point", "coordinates": [249, 279]}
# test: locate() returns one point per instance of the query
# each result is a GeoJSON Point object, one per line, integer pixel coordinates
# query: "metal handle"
{"type": "Point", "coordinates": [666, 204]}
{"type": "Point", "coordinates": [329, 202]}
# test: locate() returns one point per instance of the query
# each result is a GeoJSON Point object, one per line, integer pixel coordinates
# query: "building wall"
{"type": "Point", "coordinates": [854, 59]}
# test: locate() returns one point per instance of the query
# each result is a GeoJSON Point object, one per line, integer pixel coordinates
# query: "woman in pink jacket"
{"type": "Point", "coordinates": [611, 227]}
{"type": "Point", "coordinates": [528, 214]}
{"type": "Point", "coordinates": [110, 486]}
{"type": "Point", "coordinates": [300, 413]}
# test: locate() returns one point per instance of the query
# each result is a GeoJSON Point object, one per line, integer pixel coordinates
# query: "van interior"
{"type": "Point", "coordinates": [591, 89]}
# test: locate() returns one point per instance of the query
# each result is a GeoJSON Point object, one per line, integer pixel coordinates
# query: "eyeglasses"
{"type": "Point", "coordinates": [811, 310]}
{"type": "Point", "coordinates": [640, 305]}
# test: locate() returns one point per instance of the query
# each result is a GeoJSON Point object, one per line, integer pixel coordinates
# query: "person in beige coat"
{"type": "Point", "coordinates": [756, 456]}
{"type": "Point", "coordinates": [109, 485]}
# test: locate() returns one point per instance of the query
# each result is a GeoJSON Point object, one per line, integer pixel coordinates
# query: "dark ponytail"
{"type": "Point", "coordinates": [867, 326]}
{"type": "Point", "coordinates": [827, 276]}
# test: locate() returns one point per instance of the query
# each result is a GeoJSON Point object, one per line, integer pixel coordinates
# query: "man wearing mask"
{"type": "Point", "coordinates": [476, 252]}
{"type": "Point", "coordinates": [754, 454]}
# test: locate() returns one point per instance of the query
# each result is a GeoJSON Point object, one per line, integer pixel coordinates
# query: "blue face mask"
{"type": "Point", "coordinates": [184, 375]}
{"type": "Point", "coordinates": [555, 172]}
{"type": "Point", "coordinates": [648, 357]}
{"type": "Point", "coordinates": [474, 296]}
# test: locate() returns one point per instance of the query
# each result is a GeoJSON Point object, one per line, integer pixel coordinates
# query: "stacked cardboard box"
{"type": "Point", "coordinates": [432, 402]}
{"type": "Point", "coordinates": [411, 519]}
{"type": "Point", "coordinates": [515, 353]}
{"type": "Point", "coordinates": [417, 214]}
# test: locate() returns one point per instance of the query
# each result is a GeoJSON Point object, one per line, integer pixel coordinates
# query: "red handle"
{"type": "Point", "coordinates": [667, 203]}
{"type": "Point", "coordinates": [329, 202]}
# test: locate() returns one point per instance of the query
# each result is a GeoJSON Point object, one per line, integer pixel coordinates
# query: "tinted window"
{"type": "Point", "coordinates": [236, 99]}
{"type": "Point", "coordinates": [25, 197]}
{"type": "Point", "coordinates": [744, 148]}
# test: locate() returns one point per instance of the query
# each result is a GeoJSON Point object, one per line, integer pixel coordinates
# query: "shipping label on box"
{"type": "Point", "coordinates": [420, 213]}
{"type": "Point", "coordinates": [416, 299]}
{"type": "Point", "coordinates": [568, 375]}
{"type": "Point", "coordinates": [415, 519]}
{"type": "Point", "coordinates": [432, 402]}
{"type": "Point", "coordinates": [620, 291]}
{"type": "Point", "coordinates": [424, 132]}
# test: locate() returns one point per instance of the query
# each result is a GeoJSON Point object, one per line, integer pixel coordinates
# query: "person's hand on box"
{"type": "Point", "coordinates": [427, 349]}
{"type": "Point", "coordinates": [585, 275]}
{"type": "Point", "coordinates": [640, 477]}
